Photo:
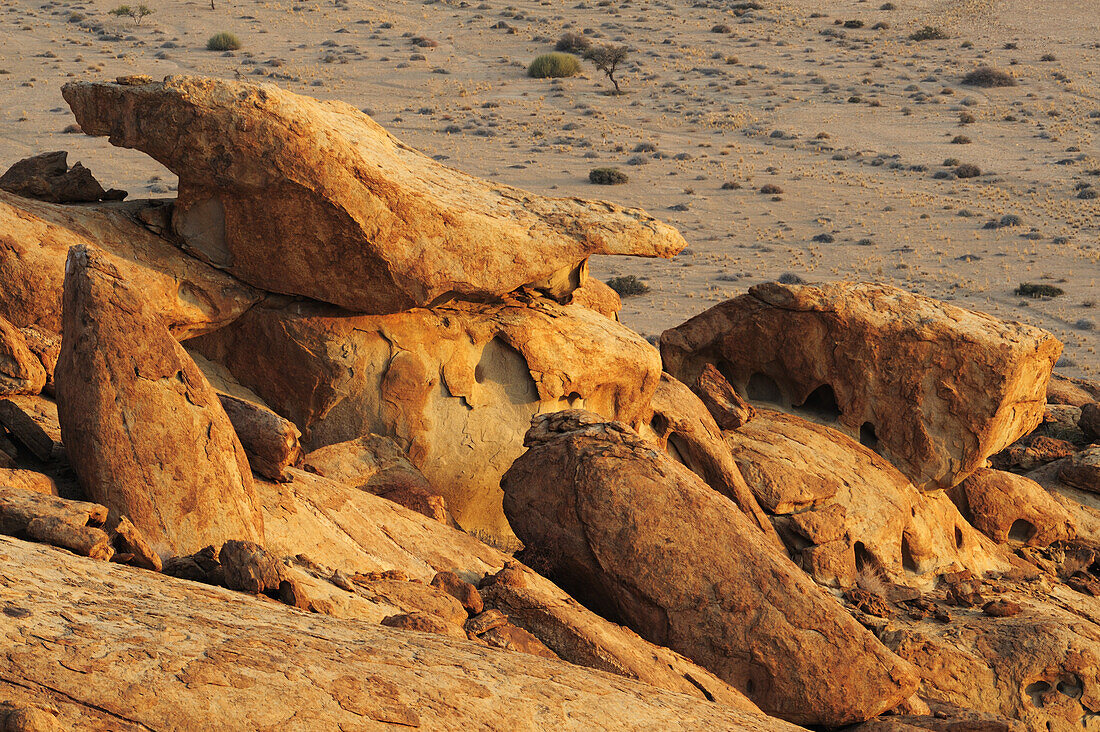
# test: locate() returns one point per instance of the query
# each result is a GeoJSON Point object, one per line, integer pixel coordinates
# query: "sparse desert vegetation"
{"type": "Point", "coordinates": [554, 66]}
{"type": "Point", "coordinates": [223, 41]}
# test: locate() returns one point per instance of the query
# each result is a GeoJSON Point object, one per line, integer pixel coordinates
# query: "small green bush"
{"type": "Point", "coordinates": [223, 42]}
{"type": "Point", "coordinates": [987, 76]}
{"type": "Point", "coordinates": [137, 12]}
{"type": "Point", "coordinates": [928, 33]}
{"type": "Point", "coordinates": [607, 176]}
{"type": "Point", "coordinates": [554, 66]}
{"type": "Point", "coordinates": [1030, 289]}
{"type": "Point", "coordinates": [628, 286]}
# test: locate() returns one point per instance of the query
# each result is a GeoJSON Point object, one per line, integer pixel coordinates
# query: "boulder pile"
{"type": "Point", "coordinates": [344, 438]}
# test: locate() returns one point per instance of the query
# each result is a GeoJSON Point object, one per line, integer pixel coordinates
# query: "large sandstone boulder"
{"type": "Point", "coordinates": [314, 198]}
{"type": "Point", "coordinates": [642, 539]}
{"type": "Point", "coordinates": [95, 646]}
{"type": "Point", "coordinates": [933, 388]}
{"type": "Point", "coordinates": [844, 511]}
{"type": "Point", "coordinates": [142, 427]}
{"type": "Point", "coordinates": [1008, 507]}
{"type": "Point", "coordinates": [455, 386]}
{"type": "Point", "coordinates": [190, 296]}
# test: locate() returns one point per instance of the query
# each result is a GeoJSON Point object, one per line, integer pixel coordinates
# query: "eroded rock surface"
{"type": "Point", "coordinates": [1008, 507]}
{"type": "Point", "coordinates": [142, 427]}
{"type": "Point", "coordinates": [455, 386]}
{"type": "Point", "coordinates": [932, 387]}
{"type": "Point", "coordinates": [314, 198]}
{"type": "Point", "coordinates": [641, 538]}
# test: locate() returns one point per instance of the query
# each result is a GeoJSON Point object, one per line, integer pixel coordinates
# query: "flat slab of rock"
{"type": "Point", "coordinates": [454, 386]}
{"type": "Point", "coordinates": [90, 641]}
{"type": "Point", "coordinates": [190, 296]}
{"type": "Point", "coordinates": [143, 429]}
{"type": "Point", "coordinates": [639, 537]}
{"type": "Point", "coordinates": [314, 198]}
{"type": "Point", "coordinates": [933, 388]}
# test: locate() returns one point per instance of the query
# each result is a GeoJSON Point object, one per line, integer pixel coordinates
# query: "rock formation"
{"type": "Point", "coordinates": [455, 386]}
{"type": "Point", "coordinates": [48, 177]}
{"type": "Point", "coordinates": [933, 388]}
{"type": "Point", "coordinates": [641, 538]}
{"type": "Point", "coordinates": [35, 237]}
{"type": "Point", "coordinates": [1007, 507]}
{"type": "Point", "coordinates": [314, 198]}
{"type": "Point", "coordinates": [21, 371]}
{"type": "Point", "coordinates": [142, 427]}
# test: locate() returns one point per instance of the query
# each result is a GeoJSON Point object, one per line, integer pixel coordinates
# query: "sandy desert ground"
{"type": "Point", "coordinates": [853, 125]}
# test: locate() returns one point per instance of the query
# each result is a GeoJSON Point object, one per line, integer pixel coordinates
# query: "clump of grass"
{"type": "Point", "coordinates": [928, 33]}
{"type": "Point", "coordinates": [960, 140]}
{"type": "Point", "coordinates": [967, 170]}
{"type": "Point", "coordinates": [790, 278]}
{"type": "Point", "coordinates": [987, 76]}
{"type": "Point", "coordinates": [223, 42]}
{"type": "Point", "coordinates": [770, 189]}
{"type": "Point", "coordinates": [731, 185]}
{"type": "Point", "coordinates": [853, 24]}
{"type": "Point", "coordinates": [573, 43]}
{"type": "Point", "coordinates": [721, 28]}
{"type": "Point", "coordinates": [607, 176]}
{"type": "Point", "coordinates": [554, 66]}
{"type": "Point", "coordinates": [1031, 289]}
{"type": "Point", "coordinates": [628, 286]}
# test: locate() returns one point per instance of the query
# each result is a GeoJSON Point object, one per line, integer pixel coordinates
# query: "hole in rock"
{"type": "Point", "coordinates": [866, 563]}
{"type": "Point", "coordinates": [1021, 530]}
{"type": "Point", "coordinates": [908, 561]}
{"type": "Point", "coordinates": [659, 423]}
{"type": "Point", "coordinates": [1071, 686]}
{"type": "Point", "coordinates": [958, 538]}
{"type": "Point", "coordinates": [821, 403]}
{"type": "Point", "coordinates": [867, 436]}
{"type": "Point", "coordinates": [762, 388]}
{"type": "Point", "coordinates": [1036, 690]}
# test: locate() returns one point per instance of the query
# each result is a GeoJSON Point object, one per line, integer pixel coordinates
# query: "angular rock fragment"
{"type": "Point", "coordinates": [424, 623]}
{"type": "Point", "coordinates": [454, 386]}
{"type": "Point", "coordinates": [190, 296]}
{"type": "Point", "coordinates": [1083, 470]}
{"type": "Point", "coordinates": [73, 525]}
{"type": "Point", "coordinates": [376, 464]}
{"type": "Point", "coordinates": [641, 538]}
{"type": "Point", "coordinates": [844, 511]}
{"type": "Point", "coordinates": [1007, 507]}
{"type": "Point", "coordinates": [464, 592]}
{"type": "Point", "coordinates": [28, 480]}
{"type": "Point", "coordinates": [48, 177]}
{"type": "Point", "coordinates": [595, 295]}
{"type": "Point", "coordinates": [46, 347]}
{"type": "Point", "coordinates": [1090, 421]}
{"type": "Point", "coordinates": [931, 387]}
{"type": "Point", "coordinates": [248, 568]}
{"type": "Point", "coordinates": [723, 402]}
{"type": "Point", "coordinates": [144, 431]}
{"type": "Point", "coordinates": [314, 198]}
{"type": "Point", "coordinates": [127, 539]}
{"type": "Point", "coordinates": [269, 441]}
{"type": "Point", "coordinates": [104, 648]}
{"type": "Point", "coordinates": [683, 427]}
{"type": "Point", "coordinates": [33, 422]}
{"type": "Point", "coordinates": [21, 372]}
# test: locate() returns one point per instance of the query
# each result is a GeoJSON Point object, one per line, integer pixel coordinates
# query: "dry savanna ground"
{"type": "Point", "coordinates": [786, 138]}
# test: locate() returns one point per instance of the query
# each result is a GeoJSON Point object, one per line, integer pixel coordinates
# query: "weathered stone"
{"type": "Point", "coordinates": [21, 372]}
{"type": "Point", "coordinates": [455, 386]}
{"type": "Point", "coordinates": [144, 430]}
{"type": "Point", "coordinates": [1031, 453]}
{"type": "Point", "coordinates": [595, 295]}
{"type": "Point", "coordinates": [28, 480]}
{"type": "Point", "coordinates": [1071, 391]}
{"type": "Point", "coordinates": [464, 592]}
{"type": "Point", "coordinates": [189, 296]}
{"type": "Point", "coordinates": [269, 441]}
{"type": "Point", "coordinates": [512, 638]}
{"type": "Point", "coordinates": [932, 387]}
{"type": "Point", "coordinates": [48, 177]}
{"type": "Point", "coordinates": [69, 524]}
{"type": "Point", "coordinates": [46, 347]}
{"type": "Point", "coordinates": [1090, 421]}
{"type": "Point", "coordinates": [723, 402]}
{"type": "Point", "coordinates": [1007, 507]}
{"type": "Point", "coordinates": [641, 538]}
{"type": "Point", "coordinates": [376, 464]}
{"type": "Point", "coordinates": [104, 648]}
{"type": "Point", "coordinates": [127, 539]}
{"type": "Point", "coordinates": [1083, 470]}
{"type": "Point", "coordinates": [248, 568]}
{"type": "Point", "coordinates": [851, 512]}
{"type": "Point", "coordinates": [424, 623]}
{"type": "Point", "coordinates": [683, 428]}
{"type": "Point", "coordinates": [580, 636]}
{"type": "Point", "coordinates": [315, 198]}
{"type": "Point", "coordinates": [33, 422]}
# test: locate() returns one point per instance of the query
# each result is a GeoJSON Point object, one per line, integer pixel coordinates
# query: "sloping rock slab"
{"type": "Point", "coordinates": [315, 198]}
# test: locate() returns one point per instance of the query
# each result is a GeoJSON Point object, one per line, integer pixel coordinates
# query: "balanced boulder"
{"type": "Point", "coordinates": [143, 429]}
{"type": "Point", "coordinates": [933, 388]}
{"type": "Point", "coordinates": [640, 538]}
{"type": "Point", "coordinates": [313, 198]}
